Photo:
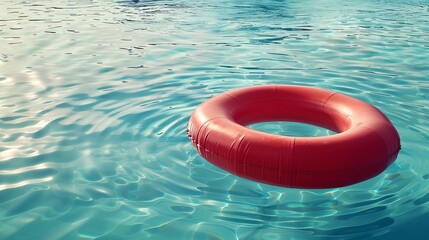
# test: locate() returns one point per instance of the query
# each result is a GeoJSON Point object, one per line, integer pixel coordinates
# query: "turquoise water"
{"type": "Point", "coordinates": [95, 97]}
{"type": "Point", "coordinates": [293, 129]}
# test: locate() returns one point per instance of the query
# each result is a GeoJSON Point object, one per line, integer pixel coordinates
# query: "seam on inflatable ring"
{"type": "Point", "coordinates": [233, 164]}
{"type": "Point", "coordinates": [233, 97]}
{"type": "Point", "coordinates": [201, 127]}
{"type": "Point", "coordinates": [327, 99]}
{"type": "Point", "coordinates": [291, 157]}
{"type": "Point", "coordinates": [386, 144]}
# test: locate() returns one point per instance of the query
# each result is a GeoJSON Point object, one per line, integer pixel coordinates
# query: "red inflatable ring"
{"type": "Point", "coordinates": [366, 142]}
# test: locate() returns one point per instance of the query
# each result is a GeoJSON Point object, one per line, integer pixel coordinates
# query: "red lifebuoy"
{"type": "Point", "coordinates": [366, 142]}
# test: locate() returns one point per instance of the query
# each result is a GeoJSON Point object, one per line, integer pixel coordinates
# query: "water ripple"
{"type": "Point", "coordinates": [95, 99]}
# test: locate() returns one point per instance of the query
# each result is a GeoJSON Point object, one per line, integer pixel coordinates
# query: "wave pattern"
{"type": "Point", "coordinates": [95, 97]}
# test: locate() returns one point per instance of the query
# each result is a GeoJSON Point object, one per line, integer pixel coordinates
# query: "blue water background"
{"type": "Point", "coordinates": [95, 96]}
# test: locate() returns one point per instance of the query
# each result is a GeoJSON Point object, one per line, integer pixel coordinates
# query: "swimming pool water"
{"type": "Point", "coordinates": [95, 97]}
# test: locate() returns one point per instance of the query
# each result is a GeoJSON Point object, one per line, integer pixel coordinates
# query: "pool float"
{"type": "Point", "coordinates": [364, 145]}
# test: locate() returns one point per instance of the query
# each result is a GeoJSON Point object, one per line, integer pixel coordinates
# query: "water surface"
{"type": "Point", "coordinates": [95, 97]}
